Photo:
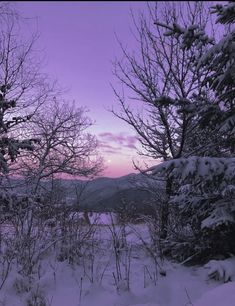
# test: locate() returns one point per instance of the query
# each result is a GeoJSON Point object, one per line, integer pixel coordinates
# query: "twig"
{"type": "Point", "coordinates": [189, 303]}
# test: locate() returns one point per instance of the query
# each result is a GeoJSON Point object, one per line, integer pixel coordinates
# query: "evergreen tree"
{"type": "Point", "coordinates": [23, 88]}
{"type": "Point", "coordinates": [9, 146]}
{"type": "Point", "coordinates": [206, 185]}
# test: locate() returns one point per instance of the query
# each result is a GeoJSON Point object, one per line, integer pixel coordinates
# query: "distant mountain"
{"type": "Point", "coordinates": [104, 193]}
{"type": "Point", "coordinates": [100, 194]}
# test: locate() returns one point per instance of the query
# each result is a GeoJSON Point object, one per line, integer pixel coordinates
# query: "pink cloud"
{"type": "Point", "coordinates": [105, 145]}
{"type": "Point", "coordinates": [108, 139]}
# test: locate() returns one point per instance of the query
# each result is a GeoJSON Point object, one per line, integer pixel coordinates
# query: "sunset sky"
{"type": "Point", "coordinates": [78, 39]}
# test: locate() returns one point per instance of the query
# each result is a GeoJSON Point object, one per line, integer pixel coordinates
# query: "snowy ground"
{"type": "Point", "coordinates": [86, 284]}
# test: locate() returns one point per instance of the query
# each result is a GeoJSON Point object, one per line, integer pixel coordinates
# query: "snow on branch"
{"type": "Point", "coordinates": [197, 168]}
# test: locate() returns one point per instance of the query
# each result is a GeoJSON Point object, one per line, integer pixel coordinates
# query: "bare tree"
{"type": "Point", "coordinates": [162, 82]}
{"type": "Point", "coordinates": [23, 88]}
{"type": "Point", "coordinates": [65, 145]}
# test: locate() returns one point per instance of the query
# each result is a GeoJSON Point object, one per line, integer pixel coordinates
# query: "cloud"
{"type": "Point", "coordinates": [110, 151]}
{"type": "Point", "coordinates": [105, 145]}
{"type": "Point", "coordinates": [116, 142]}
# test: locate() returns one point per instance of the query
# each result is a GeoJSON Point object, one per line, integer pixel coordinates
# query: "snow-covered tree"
{"type": "Point", "coordinates": [205, 200]}
{"type": "Point", "coordinates": [216, 111]}
{"type": "Point", "coordinates": [10, 146]}
{"type": "Point", "coordinates": [37, 135]}
{"type": "Point", "coordinates": [164, 82]}
{"type": "Point", "coordinates": [22, 87]}
{"type": "Point", "coordinates": [206, 185]}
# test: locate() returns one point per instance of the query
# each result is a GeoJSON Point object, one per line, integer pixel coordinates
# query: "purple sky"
{"type": "Point", "coordinates": [79, 43]}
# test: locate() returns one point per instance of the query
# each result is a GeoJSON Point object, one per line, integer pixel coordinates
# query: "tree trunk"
{"type": "Point", "coordinates": [165, 210]}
